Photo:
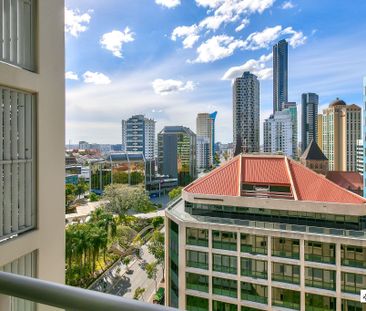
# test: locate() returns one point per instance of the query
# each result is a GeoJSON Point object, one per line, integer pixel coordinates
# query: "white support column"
{"type": "Point", "coordinates": [338, 276]}
{"type": "Point", "coordinates": [302, 275]}
{"type": "Point", "coordinates": [269, 271]}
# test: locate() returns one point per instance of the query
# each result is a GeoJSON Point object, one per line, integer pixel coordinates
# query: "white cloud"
{"type": "Point", "coordinates": [245, 22]}
{"type": "Point", "coordinates": [165, 87]}
{"type": "Point", "coordinates": [257, 67]}
{"type": "Point", "coordinates": [76, 22]}
{"type": "Point", "coordinates": [216, 48]}
{"type": "Point", "coordinates": [297, 37]}
{"type": "Point", "coordinates": [70, 75]}
{"type": "Point", "coordinates": [168, 3]}
{"type": "Point", "coordinates": [114, 40]}
{"type": "Point", "coordinates": [287, 5]}
{"type": "Point", "coordinates": [187, 32]}
{"type": "Point", "coordinates": [96, 78]}
{"type": "Point", "coordinates": [222, 12]}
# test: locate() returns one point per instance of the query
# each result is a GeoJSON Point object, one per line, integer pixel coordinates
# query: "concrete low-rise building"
{"type": "Point", "coordinates": [263, 232]}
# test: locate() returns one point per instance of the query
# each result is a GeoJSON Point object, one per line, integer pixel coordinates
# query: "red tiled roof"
{"type": "Point", "coordinates": [267, 169]}
{"type": "Point", "coordinates": [221, 181]}
{"type": "Point", "coordinates": [347, 180]}
{"type": "Point", "coordinates": [264, 170]}
{"type": "Point", "coordinates": [311, 186]}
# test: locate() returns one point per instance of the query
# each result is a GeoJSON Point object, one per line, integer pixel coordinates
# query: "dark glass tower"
{"type": "Point", "coordinates": [309, 119]}
{"type": "Point", "coordinates": [280, 75]}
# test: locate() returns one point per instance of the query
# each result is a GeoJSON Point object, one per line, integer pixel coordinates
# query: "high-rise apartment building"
{"type": "Point", "coordinates": [32, 127]}
{"type": "Point", "coordinates": [278, 134]}
{"type": "Point", "coordinates": [138, 135]}
{"type": "Point", "coordinates": [280, 131]}
{"type": "Point", "coordinates": [265, 233]}
{"type": "Point", "coordinates": [203, 153]}
{"type": "Point", "coordinates": [205, 127]}
{"type": "Point", "coordinates": [360, 156]}
{"type": "Point", "coordinates": [341, 130]}
{"type": "Point", "coordinates": [280, 74]}
{"type": "Point", "coordinates": [177, 153]}
{"type": "Point", "coordinates": [319, 133]}
{"type": "Point", "coordinates": [309, 119]}
{"type": "Point", "coordinates": [246, 113]}
{"type": "Point", "coordinates": [364, 136]}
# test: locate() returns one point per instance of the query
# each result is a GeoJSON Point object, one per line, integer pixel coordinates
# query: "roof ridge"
{"type": "Point", "coordinates": [329, 181]}
{"type": "Point", "coordinates": [289, 172]}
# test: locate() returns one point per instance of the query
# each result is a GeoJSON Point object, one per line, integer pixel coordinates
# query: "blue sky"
{"type": "Point", "coordinates": [170, 59]}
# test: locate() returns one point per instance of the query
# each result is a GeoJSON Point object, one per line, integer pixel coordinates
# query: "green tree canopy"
{"type": "Point", "coordinates": [176, 192]}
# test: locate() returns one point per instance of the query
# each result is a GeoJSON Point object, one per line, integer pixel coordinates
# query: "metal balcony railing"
{"type": "Point", "coordinates": [68, 297]}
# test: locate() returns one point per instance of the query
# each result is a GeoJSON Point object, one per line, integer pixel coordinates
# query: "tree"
{"type": "Point", "coordinates": [123, 198]}
{"type": "Point", "coordinates": [156, 247]}
{"type": "Point", "coordinates": [126, 261]}
{"type": "Point", "coordinates": [69, 193]}
{"type": "Point", "coordinates": [216, 159]}
{"type": "Point", "coordinates": [81, 187]}
{"type": "Point", "coordinates": [157, 221]}
{"type": "Point", "coordinates": [176, 192]}
{"type": "Point", "coordinates": [93, 197]}
{"type": "Point", "coordinates": [152, 272]}
{"type": "Point", "coordinates": [139, 291]}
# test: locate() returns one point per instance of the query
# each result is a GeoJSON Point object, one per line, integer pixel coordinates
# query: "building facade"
{"type": "Point", "coordinates": [280, 75]}
{"type": "Point", "coordinates": [32, 127]}
{"type": "Point", "coordinates": [246, 113]}
{"type": "Point", "coordinates": [364, 136]}
{"type": "Point", "coordinates": [255, 235]}
{"type": "Point", "coordinates": [203, 153]}
{"type": "Point", "coordinates": [278, 134]}
{"type": "Point", "coordinates": [309, 119]}
{"type": "Point", "coordinates": [138, 135]}
{"type": "Point", "coordinates": [315, 159]}
{"type": "Point", "coordinates": [205, 127]}
{"type": "Point", "coordinates": [359, 156]}
{"type": "Point", "coordinates": [341, 130]}
{"type": "Point", "coordinates": [177, 153]}
{"type": "Point", "coordinates": [319, 135]}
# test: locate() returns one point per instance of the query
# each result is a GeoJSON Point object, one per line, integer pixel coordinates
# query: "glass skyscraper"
{"type": "Point", "coordinates": [309, 119]}
{"type": "Point", "coordinates": [280, 75]}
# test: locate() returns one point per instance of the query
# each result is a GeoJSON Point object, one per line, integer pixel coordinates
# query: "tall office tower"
{"type": "Point", "coordinates": [291, 107]}
{"type": "Point", "coordinates": [265, 233]}
{"type": "Point", "coordinates": [205, 127]}
{"type": "Point", "coordinates": [32, 127]}
{"type": "Point", "coordinates": [203, 153]}
{"type": "Point", "coordinates": [246, 114]}
{"type": "Point", "coordinates": [177, 153]}
{"type": "Point", "coordinates": [319, 133]}
{"type": "Point", "coordinates": [364, 135]}
{"type": "Point", "coordinates": [278, 133]}
{"type": "Point", "coordinates": [309, 121]}
{"type": "Point", "coordinates": [341, 130]}
{"type": "Point", "coordinates": [138, 135]}
{"type": "Point", "coordinates": [280, 75]}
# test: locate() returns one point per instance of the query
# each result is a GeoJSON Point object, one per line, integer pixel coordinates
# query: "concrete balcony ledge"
{"type": "Point", "coordinates": [67, 297]}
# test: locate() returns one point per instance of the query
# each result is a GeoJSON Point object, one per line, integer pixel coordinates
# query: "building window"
{"type": "Point", "coordinates": [197, 259]}
{"type": "Point", "coordinates": [353, 256]}
{"type": "Point", "coordinates": [197, 237]}
{"type": "Point", "coordinates": [224, 240]}
{"type": "Point", "coordinates": [353, 283]}
{"type": "Point", "coordinates": [18, 33]}
{"type": "Point", "coordinates": [285, 273]}
{"type": "Point", "coordinates": [225, 287]}
{"type": "Point", "coordinates": [320, 278]}
{"type": "Point", "coordinates": [197, 282]}
{"type": "Point", "coordinates": [254, 292]}
{"type": "Point", "coordinates": [26, 266]}
{"type": "Point", "coordinates": [174, 264]}
{"type": "Point", "coordinates": [253, 244]}
{"type": "Point", "coordinates": [17, 165]}
{"type": "Point", "coordinates": [282, 247]}
{"type": "Point", "coordinates": [223, 306]}
{"type": "Point", "coordinates": [350, 305]}
{"type": "Point", "coordinates": [317, 302]}
{"type": "Point", "coordinates": [320, 252]}
{"type": "Point", "coordinates": [194, 303]}
{"type": "Point", "coordinates": [224, 263]}
{"type": "Point", "coordinates": [286, 298]}
{"type": "Point", "coordinates": [253, 268]}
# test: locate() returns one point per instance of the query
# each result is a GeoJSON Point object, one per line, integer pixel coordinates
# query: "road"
{"type": "Point", "coordinates": [137, 277]}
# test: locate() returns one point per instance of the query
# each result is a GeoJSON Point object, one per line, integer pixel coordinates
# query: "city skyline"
{"type": "Point", "coordinates": [328, 63]}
